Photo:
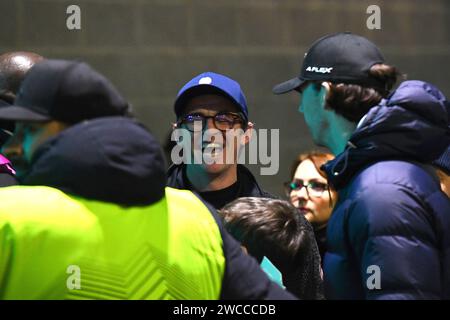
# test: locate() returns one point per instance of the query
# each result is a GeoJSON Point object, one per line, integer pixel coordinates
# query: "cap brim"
{"type": "Point", "coordinates": [288, 86]}
{"type": "Point", "coordinates": [16, 113]}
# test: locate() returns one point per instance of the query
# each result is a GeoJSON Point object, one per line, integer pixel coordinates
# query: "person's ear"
{"type": "Point", "coordinates": [245, 138]}
{"type": "Point", "coordinates": [325, 89]}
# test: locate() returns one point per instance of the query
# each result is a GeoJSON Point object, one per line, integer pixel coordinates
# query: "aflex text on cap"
{"type": "Point", "coordinates": [68, 91]}
{"type": "Point", "coordinates": [211, 83]}
{"type": "Point", "coordinates": [339, 58]}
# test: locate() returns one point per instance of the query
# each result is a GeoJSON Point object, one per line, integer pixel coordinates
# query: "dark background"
{"type": "Point", "coordinates": [150, 48]}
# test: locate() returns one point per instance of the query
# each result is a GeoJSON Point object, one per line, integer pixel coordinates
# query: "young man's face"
{"type": "Point", "coordinates": [312, 105]}
{"type": "Point", "coordinates": [210, 105]}
{"type": "Point", "coordinates": [28, 136]}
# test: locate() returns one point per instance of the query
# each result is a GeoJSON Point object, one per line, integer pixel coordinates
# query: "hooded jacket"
{"type": "Point", "coordinates": [106, 218]}
{"type": "Point", "coordinates": [389, 234]}
{"type": "Point", "coordinates": [246, 185]}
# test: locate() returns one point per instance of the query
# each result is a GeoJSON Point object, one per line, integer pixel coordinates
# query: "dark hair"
{"type": "Point", "coordinates": [275, 229]}
{"type": "Point", "coordinates": [353, 101]}
{"type": "Point", "coordinates": [266, 227]}
{"type": "Point", "coordinates": [263, 225]}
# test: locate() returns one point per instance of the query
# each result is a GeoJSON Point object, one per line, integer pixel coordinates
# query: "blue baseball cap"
{"type": "Point", "coordinates": [211, 83]}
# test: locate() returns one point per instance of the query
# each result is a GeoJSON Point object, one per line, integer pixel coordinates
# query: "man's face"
{"type": "Point", "coordinates": [211, 105]}
{"type": "Point", "coordinates": [28, 136]}
{"type": "Point", "coordinates": [312, 106]}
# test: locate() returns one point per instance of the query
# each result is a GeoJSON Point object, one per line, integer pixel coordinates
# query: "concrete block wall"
{"type": "Point", "coordinates": [150, 48]}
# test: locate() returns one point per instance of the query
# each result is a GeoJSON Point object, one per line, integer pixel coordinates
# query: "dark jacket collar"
{"type": "Point", "coordinates": [248, 187]}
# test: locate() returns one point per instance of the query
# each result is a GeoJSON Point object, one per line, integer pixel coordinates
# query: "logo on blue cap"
{"type": "Point", "coordinates": [205, 80]}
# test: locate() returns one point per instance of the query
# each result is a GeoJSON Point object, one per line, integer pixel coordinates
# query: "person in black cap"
{"type": "Point", "coordinates": [389, 234]}
{"type": "Point", "coordinates": [54, 95]}
{"type": "Point", "coordinates": [214, 101]}
{"type": "Point", "coordinates": [442, 165]}
{"type": "Point", "coordinates": [13, 67]}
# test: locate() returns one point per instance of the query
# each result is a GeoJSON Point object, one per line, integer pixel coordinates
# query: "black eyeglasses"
{"type": "Point", "coordinates": [222, 121]}
{"type": "Point", "coordinates": [313, 188]}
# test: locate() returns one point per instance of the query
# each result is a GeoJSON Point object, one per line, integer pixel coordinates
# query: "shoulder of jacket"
{"type": "Point", "coordinates": [33, 209]}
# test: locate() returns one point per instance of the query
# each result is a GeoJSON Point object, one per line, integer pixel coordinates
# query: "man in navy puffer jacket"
{"type": "Point", "coordinates": [389, 234]}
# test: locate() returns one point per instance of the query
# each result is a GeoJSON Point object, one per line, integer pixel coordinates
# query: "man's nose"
{"type": "Point", "coordinates": [210, 123]}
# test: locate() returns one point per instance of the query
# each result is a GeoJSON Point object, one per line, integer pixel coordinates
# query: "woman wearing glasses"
{"type": "Point", "coordinates": [310, 193]}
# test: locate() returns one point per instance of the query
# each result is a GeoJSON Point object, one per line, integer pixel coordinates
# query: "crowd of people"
{"type": "Point", "coordinates": [85, 187]}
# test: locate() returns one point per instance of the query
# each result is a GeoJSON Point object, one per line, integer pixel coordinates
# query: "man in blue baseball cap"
{"type": "Point", "coordinates": [212, 102]}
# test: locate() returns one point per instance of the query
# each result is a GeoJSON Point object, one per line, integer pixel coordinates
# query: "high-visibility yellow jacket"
{"type": "Point", "coordinates": [56, 246]}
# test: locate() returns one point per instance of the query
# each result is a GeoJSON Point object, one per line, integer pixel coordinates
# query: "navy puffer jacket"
{"type": "Point", "coordinates": [391, 215]}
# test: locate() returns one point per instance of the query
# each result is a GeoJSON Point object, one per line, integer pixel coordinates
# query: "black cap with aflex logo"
{"type": "Point", "coordinates": [339, 58]}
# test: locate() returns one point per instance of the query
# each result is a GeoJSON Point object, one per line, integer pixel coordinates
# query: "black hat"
{"type": "Point", "coordinates": [68, 91]}
{"type": "Point", "coordinates": [339, 58]}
